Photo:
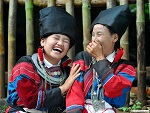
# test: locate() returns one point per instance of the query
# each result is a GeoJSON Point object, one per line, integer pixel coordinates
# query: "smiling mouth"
{"type": "Point", "coordinates": [58, 50]}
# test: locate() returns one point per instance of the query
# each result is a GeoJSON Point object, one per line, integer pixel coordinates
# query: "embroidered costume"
{"type": "Point", "coordinates": [36, 80]}
{"type": "Point", "coordinates": [26, 85]}
{"type": "Point", "coordinates": [116, 78]}
{"type": "Point", "coordinates": [105, 78]}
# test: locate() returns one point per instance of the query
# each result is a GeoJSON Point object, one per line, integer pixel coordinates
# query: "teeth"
{"type": "Point", "coordinates": [57, 49]}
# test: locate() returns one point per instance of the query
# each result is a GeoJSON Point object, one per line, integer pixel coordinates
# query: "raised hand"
{"type": "Point", "coordinates": [95, 49]}
{"type": "Point", "coordinates": [74, 73]}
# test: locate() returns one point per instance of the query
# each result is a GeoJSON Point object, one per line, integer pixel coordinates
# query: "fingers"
{"type": "Point", "coordinates": [75, 69]}
{"type": "Point", "coordinates": [89, 47]}
{"type": "Point", "coordinates": [90, 44]}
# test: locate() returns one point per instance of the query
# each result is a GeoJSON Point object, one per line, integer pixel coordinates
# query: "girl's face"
{"type": "Point", "coordinates": [102, 34]}
{"type": "Point", "coordinates": [56, 47]}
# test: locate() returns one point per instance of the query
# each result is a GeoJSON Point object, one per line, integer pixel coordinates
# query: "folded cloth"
{"type": "Point", "coordinates": [90, 109]}
{"type": "Point", "coordinates": [31, 111]}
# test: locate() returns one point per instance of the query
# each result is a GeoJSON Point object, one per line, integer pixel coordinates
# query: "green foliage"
{"type": "Point", "coordinates": [148, 108]}
{"type": "Point", "coordinates": [146, 10]}
{"type": "Point", "coordinates": [133, 8]}
{"type": "Point", "coordinates": [125, 109]}
{"type": "Point", "coordinates": [136, 106]}
{"type": "Point", "coordinates": [3, 107]}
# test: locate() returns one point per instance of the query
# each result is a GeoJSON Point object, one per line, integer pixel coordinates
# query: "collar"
{"type": "Point", "coordinates": [111, 57]}
{"type": "Point", "coordinates": [48, 64]}
{"type": "Point", "coordinates": [63, 62]}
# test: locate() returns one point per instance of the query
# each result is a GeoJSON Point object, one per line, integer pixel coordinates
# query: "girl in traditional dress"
{"type": "Point", "coordinates": [39, 82]}
{"type": "Point", "coordinates": [105, 79]}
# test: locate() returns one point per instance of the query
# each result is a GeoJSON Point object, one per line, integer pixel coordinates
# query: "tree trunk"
{"type": "Point", "coordinates": [2, 54]}
{"type": "Point", "coordinates": [51, 3]}
{"type": "Point", "coordinates": [12, 35]}
{"type": "Point", "coordinates": [110, 3]}
{"type": "Point", "coordinates": [29, 27]}
{"type": "Point", "coordinates": [141, 63]}
{"type": "Point", "coordinates": [70, 10]}
{"type": "Point", "coordinates": [86, 19]}
{"type": "Point", "coordinates": [124, 41]}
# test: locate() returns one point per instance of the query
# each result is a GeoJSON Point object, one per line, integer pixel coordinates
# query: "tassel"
{"type": "Point", "coordinates": [40, 54]}
{"type": "Point", "coordinates": [119, 55]}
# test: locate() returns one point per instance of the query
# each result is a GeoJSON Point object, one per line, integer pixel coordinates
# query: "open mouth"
{"type": "Point", "coordinates": [58, 50]}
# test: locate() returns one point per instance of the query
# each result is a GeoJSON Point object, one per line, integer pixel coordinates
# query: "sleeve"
{"type": "Point", "coordinates": [75, 96]}
{"type": "Point", "coordinates": [27, 92]}
{"type": "Point", "coordinates": [32, 97]}
{"type": "Point", "coordinates": [53, 98]}
{"type": "Point", "coordinates": [116, 81]}
{"type": "Point", "coordinates": [21, 88]}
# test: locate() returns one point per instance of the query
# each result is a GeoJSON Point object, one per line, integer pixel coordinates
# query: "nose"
{"type": "Point", "coordinates": [94, 38]}
{"type": "Point", "coordinates": [60, 42]}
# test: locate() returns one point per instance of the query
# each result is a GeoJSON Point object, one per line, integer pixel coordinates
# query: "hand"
{"type": "Point", "coordinates": [95, 49]}
{"type": "Point", "coordinates": [74, 73]}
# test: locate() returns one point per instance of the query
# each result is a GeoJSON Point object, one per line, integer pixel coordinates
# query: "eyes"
{"type": "Point", "coordinates": [98, 34]}
{"type": "Point", "coordinates": [63, 39]}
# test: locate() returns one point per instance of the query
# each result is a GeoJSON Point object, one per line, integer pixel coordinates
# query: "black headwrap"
{"type": "Point", "coordinates": [117, 18]}
{"type": "Point", "coordinates": [54, 20]}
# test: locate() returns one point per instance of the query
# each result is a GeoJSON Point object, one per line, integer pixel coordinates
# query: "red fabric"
{"type": "Point", "coordinates": [85, 111]}
{"type": "Point", "coordinates": [7, 109]}
{"type": "Point", "coordinates": [75, 94]}
{"type": "Point", "coordinates": [66, 63]}
{"type": "Point", "coordinates": [119, 55]}
{"type": "Point", "coordinates": [82, 64]}
{"type": "Point", "coordinates": [114, 86]}
{"type": "Point", "coordinates": [88, 81]}
{"type": "Point", "coordinates": [125, 68]}
{"type": "Point", "coordinates": [24, 68]}
{"type": "Point", "coordinates": [40, 54]}
{"type": "Point", "coordinates": [27, 92]}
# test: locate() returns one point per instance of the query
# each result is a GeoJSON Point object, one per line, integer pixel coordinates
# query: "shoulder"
{"type": "Point", "coordinates": [24, 67]}
{"type": "Point", "coordinates": [25, 59]}
{"type": "Point", "coordinates": [25, 62]}
{"type": "Point", "coordinates": [125, 66]}
{"type": "Point", "coordinates": [126, 62]}
{"type": "Point", "coordinates": [84, 59]}
{"type": "Point", "coordinates": [83, 55]}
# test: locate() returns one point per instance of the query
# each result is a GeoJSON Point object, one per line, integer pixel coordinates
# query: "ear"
{"type": "Point", "coordinates": [115, 37]}
{"type": "Point", "coordinates": [42, 41]}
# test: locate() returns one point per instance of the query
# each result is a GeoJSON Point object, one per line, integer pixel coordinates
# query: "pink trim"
{"type": "Point", "coordinates": [108, 109]}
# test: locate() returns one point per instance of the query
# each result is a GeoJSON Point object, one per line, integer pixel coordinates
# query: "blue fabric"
{"type": "Point", "coordinates": [13, 95]}
{"type": "Point", "coordinates": [74, 107]}
{"type": "Point", "coordinates": [118, 101]}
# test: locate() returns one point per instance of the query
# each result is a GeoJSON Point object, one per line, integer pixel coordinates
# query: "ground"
{"type": "Point", "coordinates": [3, 105]}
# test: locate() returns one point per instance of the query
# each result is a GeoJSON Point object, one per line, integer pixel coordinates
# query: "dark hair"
{"type": "Point", "coordinates": [117, 44]}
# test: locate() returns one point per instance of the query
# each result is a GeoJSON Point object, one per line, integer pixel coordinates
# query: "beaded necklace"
{"type": "Point", "coordinates": [39, 63]}
{"type": "Point", "coordinates": [97, 95]}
